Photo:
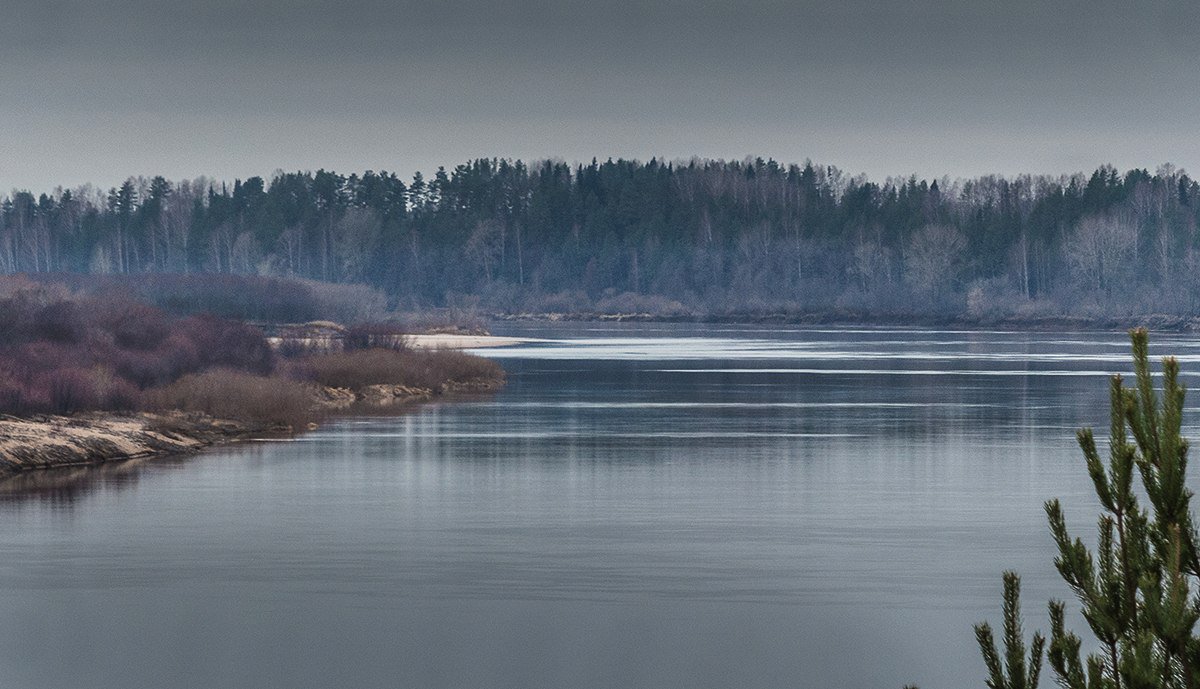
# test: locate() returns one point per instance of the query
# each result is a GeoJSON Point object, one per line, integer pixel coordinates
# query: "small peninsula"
{"type": "Point", "coordinates": [87, 378]}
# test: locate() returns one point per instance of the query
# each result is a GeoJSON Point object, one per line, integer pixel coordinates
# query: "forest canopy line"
{"type": "Point", "coordinates": [699, 237]}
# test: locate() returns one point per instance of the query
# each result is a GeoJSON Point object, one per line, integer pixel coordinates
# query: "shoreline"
{"type": "Point", "coordinates": [1153, 322]}
{"type": "Point", "coordinates": [48, 442]}
{"type": "Point", "coordinates": [42, 443]}
{"type": "Point", "coordinates": [52, 442]}
{"type": "Point", "coordinates": [453, 341]}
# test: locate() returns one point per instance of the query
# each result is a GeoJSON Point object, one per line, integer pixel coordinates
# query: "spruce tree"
{"type": "Point", "coordinates": [1138, 589]}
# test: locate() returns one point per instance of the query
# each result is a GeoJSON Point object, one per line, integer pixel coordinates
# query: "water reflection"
{"type": "Point", "coordinates": [64, 487]}
{"type": "Point", "coordinates": [606, 520]}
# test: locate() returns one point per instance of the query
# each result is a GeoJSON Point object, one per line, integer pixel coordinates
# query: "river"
{"type": "Point", "coordinates": [642, 506]}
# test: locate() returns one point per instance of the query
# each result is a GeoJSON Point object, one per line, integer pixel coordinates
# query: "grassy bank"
{"type": "Point", "coordinates": [85, 378]}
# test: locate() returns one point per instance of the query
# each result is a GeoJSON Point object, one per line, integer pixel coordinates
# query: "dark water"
{"type": "Point", "coordinates": [641, 507]}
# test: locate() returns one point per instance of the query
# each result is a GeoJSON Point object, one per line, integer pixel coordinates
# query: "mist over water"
{"type": "Point", "coordinates": [642, 506]}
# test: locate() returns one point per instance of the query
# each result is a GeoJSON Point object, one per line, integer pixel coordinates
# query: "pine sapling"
{"type": "Point", "coordinates": [1015, 672]}
{"type": "Point", "coordinates": [1137, 589]}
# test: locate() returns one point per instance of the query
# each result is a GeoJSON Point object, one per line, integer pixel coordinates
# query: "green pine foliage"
{"type": "Point", "coordinates": [1015, 672]}
{"type": "Point", "coordinates": [1138, 588]}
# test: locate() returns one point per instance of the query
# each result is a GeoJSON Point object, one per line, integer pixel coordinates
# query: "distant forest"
{"type": "Point", "coordinates": [694, 237]}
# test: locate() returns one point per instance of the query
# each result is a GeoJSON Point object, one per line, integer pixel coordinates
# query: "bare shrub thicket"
{"type": "Point", "coordinates": [628, 303]}
{"type": "Point", "coordinates": [418, 369]}
{"type": "Point", "coordinates": [64, 353]}
{"type": "Point", "coordinates": [344, 303]}
{"type": "Point", "coordinates": [376, 336]}
{"type": "Point", "coordinates": [245, 297]}
{"type": "Point", "coordinates": [61, 353]}
{"type": "Point", "coordinates": [229, 394]}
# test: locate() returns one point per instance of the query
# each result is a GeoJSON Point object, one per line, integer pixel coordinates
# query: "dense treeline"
{"type": "Point", "coordinates": [701, 236]}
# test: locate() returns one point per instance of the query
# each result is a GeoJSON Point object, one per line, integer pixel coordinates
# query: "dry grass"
{"type": "Point", "coordinates": [229, 394]}
{"type": "Point", "coordinates": [416, 369]}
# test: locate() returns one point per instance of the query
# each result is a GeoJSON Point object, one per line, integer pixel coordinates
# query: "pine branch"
{"type": "Point", "coordinates": [1016, 672]}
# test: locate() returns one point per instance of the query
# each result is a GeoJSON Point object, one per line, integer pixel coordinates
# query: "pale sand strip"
{"type": "Point", "coordinates": [54, 441]}
{"type": "Point", "coordinates": [451, 341]}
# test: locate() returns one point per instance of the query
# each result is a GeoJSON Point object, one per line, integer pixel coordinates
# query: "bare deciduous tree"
{"type": "Point", "coordinates": [485, 245]}
{"type": "Point", "coordinates": [932, 259]}
{"type": "Point", "coordinates": [1099, 251]}
{"type": "Point", "coordinates": [872, 265]}
{"type": "Point", "coordinates": [354, 241]}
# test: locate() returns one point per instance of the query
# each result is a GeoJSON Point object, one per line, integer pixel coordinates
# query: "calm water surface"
{"type": "Point", "coordinates": [643, 506]}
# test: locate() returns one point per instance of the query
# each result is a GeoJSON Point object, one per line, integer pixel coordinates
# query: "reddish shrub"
{"type": "Point", "coordinates": [224, 343]}
{"type": "Point", "coordinates": [143, 368]}
{"type": "Point", "coordinates": [16, 314]}
{"type": "Point", "coordinates": [180, 355]}
{"type": "Point", "coordinates": [14, 399]}
{"type": "Point", "coordinates": [134, 325]}
{"type": "Point", "coordinates": [36, 357]}
{"type": "Point", "coordinates": [60, 322]}
{"type": "Point", "coordinates": [68, 390]}
{"type": "Point", "coordinates": [114, 392]}
{"type": "Point", "coordinates": [60, 353]}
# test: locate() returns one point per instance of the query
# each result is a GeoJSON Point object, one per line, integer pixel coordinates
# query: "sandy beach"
{"type": "Point", "coordinates": [44, 442]}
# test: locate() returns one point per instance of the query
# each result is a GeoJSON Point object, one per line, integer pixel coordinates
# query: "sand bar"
{"type": "Point", "coordinates": [452, 341]}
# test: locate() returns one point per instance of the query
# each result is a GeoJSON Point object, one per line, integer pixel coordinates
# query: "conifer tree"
{"type": "Point", "coordinates": [1138, 589]}
{"type": "Point", "coordinates": [1015, 672]}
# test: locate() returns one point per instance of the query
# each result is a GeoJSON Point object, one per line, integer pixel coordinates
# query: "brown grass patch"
{"type": "Point", "coordinates": [415, 369]}
{"type": "Point", "coordinates": [228, 394]}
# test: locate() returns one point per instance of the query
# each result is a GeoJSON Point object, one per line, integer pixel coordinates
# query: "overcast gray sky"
{"type": "Point", "coordinates": [97, 90]}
